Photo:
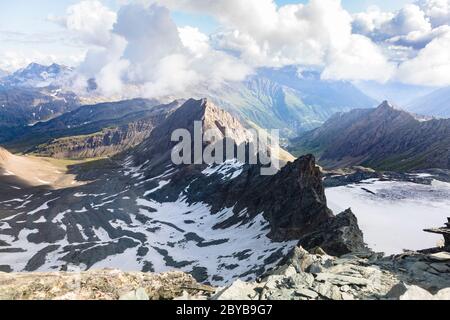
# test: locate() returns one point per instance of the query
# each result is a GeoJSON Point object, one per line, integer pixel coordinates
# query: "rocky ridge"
{"type": "Point", "coordinates": [318, 276]}
{"type": "Point", "coordinates": [385, 138]}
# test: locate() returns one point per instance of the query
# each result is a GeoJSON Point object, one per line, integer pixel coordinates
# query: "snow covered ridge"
{"type": "Point", "coordinates": [40, 76]}
{"type": "Point", "coordinates": [141, 220]}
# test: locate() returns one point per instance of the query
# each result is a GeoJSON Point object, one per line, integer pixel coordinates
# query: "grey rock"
{"type": "Point", "coordinates": [138, 294]}
{"type": "Point", "coordinates": [315, 268]}
{"type": "Point", "coordinates": [239, 290]}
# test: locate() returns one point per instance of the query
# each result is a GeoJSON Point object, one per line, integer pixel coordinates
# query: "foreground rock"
{"type": "Point", "coordinates": [98, 285]}
{"type": "Point", "coordinates": [307, 276]}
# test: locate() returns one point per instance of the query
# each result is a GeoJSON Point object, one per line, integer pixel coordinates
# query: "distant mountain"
{"type": "Point", "coordinates": [383, 138]}
{"type": "Point", "coordinates": [288, 100]}
{"type": "Point", "coordinates": [95, 130]}
{"type": "Point", "coordinates": [23, 107]}
{"type": "Point", "coordinates": [435, 104]}
{"type": "Point", "coordinates": [39, 76]}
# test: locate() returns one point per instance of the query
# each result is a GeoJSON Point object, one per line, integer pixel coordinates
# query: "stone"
{"type": "Point", "coordinates": [440, 256]}
{"type": "Point", "coordinates": [315, 268]}
{"type": "Point", "coordinates": [306, 293]}
{"type": "Point", "coordinates": [286, 270]}
{"type": "Point", "coordinates": [341, 280]}
{"type": "Point", "coordinates": [443, 294]}
{"type": "Point", "coordinates": [347, 296]}
{"type": "Point", "coordinates": [416, 293]}
{"type": "Point", "coordinates": [239, 290]}
{"type": "Point", "coordinates": [397, 291]}
{"type": "Point", "coordinates": [302, 279]}
{"type": "Point", "coordinates": [327, 291]}
{"type": "Point", "coordinates": [319, 251]}
{"type": "Point", "coordinates": [138, 295]}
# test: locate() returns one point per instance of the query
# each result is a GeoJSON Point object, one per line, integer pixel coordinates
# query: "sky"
{"type": "Point", "coordinates": [176, 43]}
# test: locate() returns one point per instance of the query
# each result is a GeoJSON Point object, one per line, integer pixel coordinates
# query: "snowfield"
{"type": "Point", "coordinates": [393, 214]}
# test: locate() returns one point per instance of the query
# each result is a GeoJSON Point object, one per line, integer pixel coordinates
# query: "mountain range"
{"type": "Point", "coordinates": [92, 130]}
{"type": "Point", "coordinates": [287, 99]}
{"type": "Point", "coordinates": [384, 138]}
{"type": "Point", "coordinates": [39, 76]}
{"type": "Point", "coordinates": [271, 98]}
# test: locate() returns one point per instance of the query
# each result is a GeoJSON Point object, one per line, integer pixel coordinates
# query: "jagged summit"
{"type": "Point", "coordinates": [384, 138]}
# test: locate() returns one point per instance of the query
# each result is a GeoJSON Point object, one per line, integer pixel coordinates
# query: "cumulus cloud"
{"type": "Point", "coordinates": [262, 34]}
{"type": "Point", "coordinates": [141, 50]}
{"type": "Point", "coordinates": [431, 66]}
{"type": "Point", "coordinates": [438, 11]}
{"type": "Point", "coordinates": [414, 25]}
{"type": "Point", "coordinates": [90, 20]}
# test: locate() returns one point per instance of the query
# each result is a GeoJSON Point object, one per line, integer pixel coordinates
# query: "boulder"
{"type": "Point", "coordinates": [239, 290]}
{"type": "Point", "coordinates": [138, 294]}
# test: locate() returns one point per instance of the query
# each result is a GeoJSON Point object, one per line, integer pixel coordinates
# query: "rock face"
{"type": "Point", "coordinates": [383, 138]}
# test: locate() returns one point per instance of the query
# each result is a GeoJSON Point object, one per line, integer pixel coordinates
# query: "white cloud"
{"type": "Point", "coordinates": [145, 53]}
{"type": "Point", "coordinates": [90, 20]}
{"type": "Point", "coordinates": [194, 40]}
{"type": "Point", "coordinates": [431, 66]}
{"type": "Point", "coordinates": [361, 60]}
{"type": "Point", "coordinates": [438, 11]}
{"type": "Point", "coordinates": [141, 47]}
{"type": "Point", "coordinates": [262, 34]}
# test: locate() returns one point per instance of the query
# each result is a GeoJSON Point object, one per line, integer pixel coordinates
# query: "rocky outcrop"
{"type": "Point", "coordinates": [304, 275]}
{"type": "Point", "coordinates": [319, 276]}
{"type": "Point", "coordinates": [98, 285]}
{"type": "Point", "coordinates": [384, 138]}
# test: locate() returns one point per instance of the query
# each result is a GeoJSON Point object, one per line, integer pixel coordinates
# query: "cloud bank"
{"type": "Point", "coordinates": [140, 49]}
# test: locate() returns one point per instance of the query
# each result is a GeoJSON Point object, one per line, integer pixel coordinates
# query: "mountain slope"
{"type": "Point", "coordinates": [141, 212]}
{"type": "Point", "coordinates": [284, 99]}
{"type": "Point", "coordinates": [435, 104]}
{"type": "Point", "coordinates": [23, 106]}
{"type": "Point", "coordinates": [95, 130]}
{"type": "Point", "coordinates": [30, 171]}
{"type": "Point", "coordinates": [383, 138]}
